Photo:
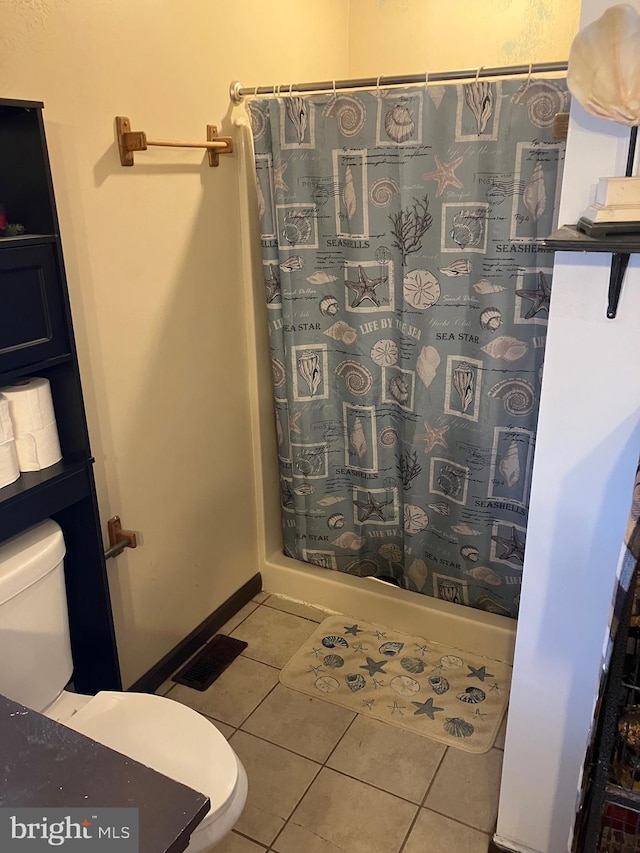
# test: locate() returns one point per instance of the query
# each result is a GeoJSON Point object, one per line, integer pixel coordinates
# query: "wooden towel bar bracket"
{"type": "Point", "coordinates": [136, 140]}
{"type": "Point", "coordinates": [119, 539]}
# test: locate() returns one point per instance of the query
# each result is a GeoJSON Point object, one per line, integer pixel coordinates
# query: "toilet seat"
{"type": "Point", "coordinates": [166, 736]}
{"type": "Point", "coordinates": [65, 706]}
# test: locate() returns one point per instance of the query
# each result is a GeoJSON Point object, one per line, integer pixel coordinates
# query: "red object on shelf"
{"type": "Point", "coordinates": [621, 818]}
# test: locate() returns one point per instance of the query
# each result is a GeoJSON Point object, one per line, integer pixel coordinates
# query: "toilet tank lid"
{"type": "Point", "coordinates": [26, 558]}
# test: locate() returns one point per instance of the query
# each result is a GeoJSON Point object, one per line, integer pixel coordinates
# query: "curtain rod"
{"type": "Point", "coordinates": [237, 91]}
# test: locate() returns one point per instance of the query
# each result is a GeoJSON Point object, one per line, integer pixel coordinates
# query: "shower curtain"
{"type": "Point", "coordinates": [407, 306]}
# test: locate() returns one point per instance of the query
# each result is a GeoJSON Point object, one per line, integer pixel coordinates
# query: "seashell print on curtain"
{"type": "Point", "coordinates": [408, 304]}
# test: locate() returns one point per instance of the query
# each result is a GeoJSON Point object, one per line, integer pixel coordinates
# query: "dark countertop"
{"type": "Point", "coordinates": [43, 763]}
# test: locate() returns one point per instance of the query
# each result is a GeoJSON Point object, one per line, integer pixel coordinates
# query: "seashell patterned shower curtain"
{"type": "Point", "coordinates": [407, 306]}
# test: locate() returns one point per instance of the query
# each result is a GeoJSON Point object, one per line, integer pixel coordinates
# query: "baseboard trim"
{"type": "Point", "coordinates": [159, 672]}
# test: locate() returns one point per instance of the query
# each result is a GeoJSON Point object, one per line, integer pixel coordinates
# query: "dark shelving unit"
{"type": "Point", "coordinates": [608, 819]}
{"type": "Point", "coordinates": [36, 339]}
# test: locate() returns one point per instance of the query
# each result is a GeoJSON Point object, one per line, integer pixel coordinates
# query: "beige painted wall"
{"type": "Point", "coordinates": [414, 36]}
{"type": "Point", "coordinates": [152, 258]}
{"type": "Point", "coordinates": [153, 253]}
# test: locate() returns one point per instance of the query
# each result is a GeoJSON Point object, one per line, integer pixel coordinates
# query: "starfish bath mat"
{"type": "Point", "coordinates": [445, 694]}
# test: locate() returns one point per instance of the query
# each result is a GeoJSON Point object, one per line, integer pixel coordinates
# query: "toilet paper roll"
{"type": "Point", "coordinates": [38, 449]}
{"type": "Point", "coordinates": [9, 468]}
{"type": "Point", "coordinates": [30, 405]}
{"type": "Point", "coordinates": [6, 425]}
{"type": "Point", "coordinates": [32, 414]}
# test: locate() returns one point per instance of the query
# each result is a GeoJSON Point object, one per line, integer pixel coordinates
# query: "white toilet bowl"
{"type": "Point", "coordinates": [166, 736]}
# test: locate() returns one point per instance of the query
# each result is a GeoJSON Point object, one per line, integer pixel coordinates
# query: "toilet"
{"type": "Point", "coordinates": [36, 664]}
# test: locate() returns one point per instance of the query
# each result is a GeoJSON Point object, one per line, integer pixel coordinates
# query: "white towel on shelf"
{"type": "Point", "coordinates": [34, 423]}
{"type": "Point", "coordinates": [9, 468]}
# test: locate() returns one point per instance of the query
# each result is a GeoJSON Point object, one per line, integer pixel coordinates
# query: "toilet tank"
{"type": "Point", "coordinates": [35, 653]}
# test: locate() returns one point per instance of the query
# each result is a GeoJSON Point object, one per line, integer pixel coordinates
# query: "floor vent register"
{"type": "Point", "coordinates": [210, 662]}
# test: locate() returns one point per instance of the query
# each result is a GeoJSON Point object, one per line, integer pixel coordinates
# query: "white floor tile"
{"type": "Point", "coordinates": [277, 781]}
{"type": "Point", "coordinates": [467, 788]}
{"type": "Point", "coordinates": [273, 636]}
{"type": "Point", "coordinates": [349, 815]}
{"type": "Point", "coordinates": [296, 839]}
{"type": "Point", "coordinates": [400, 762]}
{"type": "Point", "coordinates": [234, 843]}
{"type": "Point", "coordinates": [232, 696]}
{"type": "Point", "coordinates": [434, 833]}
{"type": "Point", "coordinates": [238, 617]}
{"type": "Point", "coordinates": [299, 722]}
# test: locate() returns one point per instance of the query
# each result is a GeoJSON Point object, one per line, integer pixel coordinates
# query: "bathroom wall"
{"type": "Point", "coordinates": [152, 258]}
{"type": "Point", "coordinates": [586, 455]}
{"type": "Point", "coordinates": [414, 36]}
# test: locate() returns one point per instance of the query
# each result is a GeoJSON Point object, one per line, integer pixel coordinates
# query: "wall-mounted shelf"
{"type": "Point", "coordinates": [621, 246]}
{"type": "Point", "coordinates": [569, 239]}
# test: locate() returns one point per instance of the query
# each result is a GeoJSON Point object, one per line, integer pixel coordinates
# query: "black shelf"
{"type": "Point", "coordinates": [39, 494]}
{"type": "Point", "coordinates": [36, 339]}
{"type": "Point", "coordinates": [620, 246]}
{"type": "Point", "coordinates": [10, 376]}
{"type": "Point", "coordinates": [29, 483]}
{"type": "Point", "coordinates": [623, 797]}
{"type": "Point", "coordinates": [13, 105]}
{"type": "Point", "coordinates": [569, 239]}
{"type": "Point", "coordinates": [26, 240]}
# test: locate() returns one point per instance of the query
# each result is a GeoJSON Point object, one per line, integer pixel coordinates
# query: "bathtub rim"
{"type": "Point", "coordinates": [465, 628]}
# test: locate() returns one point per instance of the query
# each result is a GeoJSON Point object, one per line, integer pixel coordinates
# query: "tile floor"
{"type": "Point", "coordinates": [323, 779]}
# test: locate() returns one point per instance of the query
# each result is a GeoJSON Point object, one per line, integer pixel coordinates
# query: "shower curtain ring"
{"type": "Point", "coordinates": [335, 94]}
{"type": "Point", "coordinates": [255, 92]}
{"type": "Point", "coordinates": [426, 80]}
{"type": "Point", "coordinates": [530, 70]}
{"type": "Point", "coordinates": [378, 86]}
{"type": "Point", "coordinates": [274, 90]}
{"type": "Point", "coordinates": [290, 88]}
{"type": "Point", "coordinates": [478, 72]}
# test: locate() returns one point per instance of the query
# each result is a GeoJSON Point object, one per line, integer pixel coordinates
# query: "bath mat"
{"type": "Point", "coordinates": [451, 696]}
